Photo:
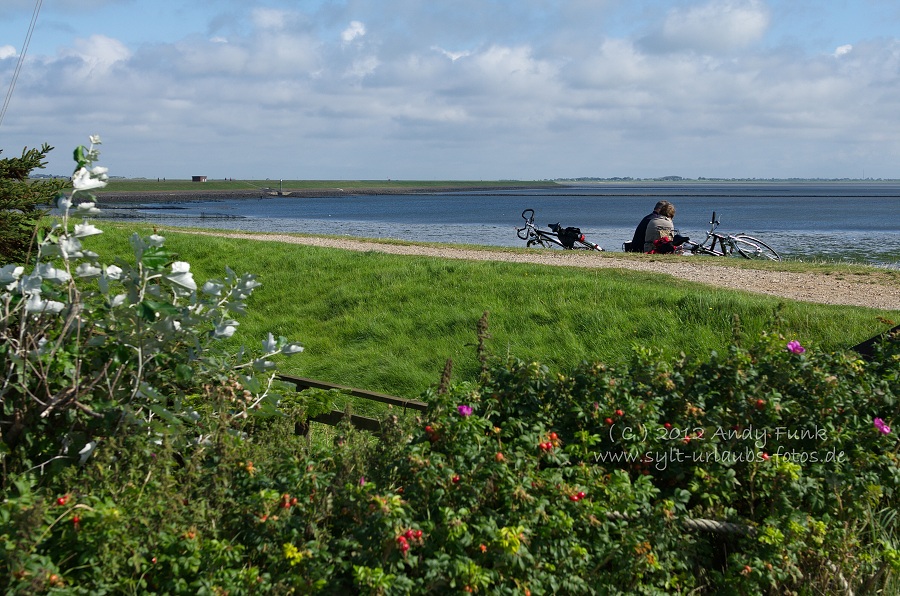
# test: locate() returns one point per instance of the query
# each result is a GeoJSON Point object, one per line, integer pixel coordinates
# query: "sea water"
{"type": "Point", "coordinates": [842, 221]}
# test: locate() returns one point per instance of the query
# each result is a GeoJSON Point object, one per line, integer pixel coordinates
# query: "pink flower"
{"type": "Point", "coordinates": [794, 347]}
{"type": "Point", "coordinates": [465, 410]}
{"type": "Point", "coordinates": [882, 427]}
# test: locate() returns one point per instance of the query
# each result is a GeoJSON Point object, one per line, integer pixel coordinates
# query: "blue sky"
{"type": "Point", "coordinates": [458, 89]}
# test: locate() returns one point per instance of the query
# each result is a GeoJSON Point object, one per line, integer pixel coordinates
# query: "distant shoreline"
{"type": "Point", "coordinates": [183, 196]}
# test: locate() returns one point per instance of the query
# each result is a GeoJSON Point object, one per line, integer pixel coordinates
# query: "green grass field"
{"type": "Point", "coordinates": [389, 323]}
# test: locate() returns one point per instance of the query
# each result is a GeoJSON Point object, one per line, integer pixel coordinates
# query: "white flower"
{"type": "Point", "coordinates": [118, 300]}
{"type": "Point", "coordinates": [86, 451]}
{"type": "Point", "coordinates": [269, 345]}
{"type": "Point", "coordinates": [50, 273]}
{"type": "Point", "coordinates": [226, 329]}
{"type": "Point", "coordinates": [70, 247]}
{"type": "Point", "coordinates": [181, 276]}
{"type": "Point", "coordinates": [156, 240]}
{"type": "Point", "coordinates": [64, 202]}
{"type": "Point", "coordinates": [10, 274]}
{"type": "Point", "coordinates": [37, 304]}
{"type": "Point", "coordinates": [95, 140]}
{"type": "Point", "coordinates": [292, 349]}
{"type": "Point", "coordinates": [88, 270]}
{"type": "Point", "coordinates": [50, 250]}
{"type": "Point", "coordinates": [212, 288]}
{"type": "Point", "coordinates": [82, 180]}
{"type": "Point", "coordinates": [84, 230]}
{"type": "Point", "coordinates": [114, 272]}
{"type": "Point", "coordinates": [100, 172]}
{"type": "Point", "coordinates": [87, 208]}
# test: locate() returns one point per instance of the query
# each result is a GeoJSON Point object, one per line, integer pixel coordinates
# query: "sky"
{"type": "Point", "coordinates": [457, 89]}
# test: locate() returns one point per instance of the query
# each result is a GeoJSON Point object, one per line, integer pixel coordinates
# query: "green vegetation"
{"type": "Point", "coordinates": [389, 323]}
{"type": "Point", "coordinates": [22, 202]}
{"type": "Point", "coordinates": [142, 452]}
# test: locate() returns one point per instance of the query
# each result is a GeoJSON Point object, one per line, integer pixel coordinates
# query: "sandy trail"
{"type": "Point", "coordinates": [875, 289]}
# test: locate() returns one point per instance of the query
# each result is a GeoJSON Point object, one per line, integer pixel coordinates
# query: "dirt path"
{"type": "Point", "coordinates": [875, 289]}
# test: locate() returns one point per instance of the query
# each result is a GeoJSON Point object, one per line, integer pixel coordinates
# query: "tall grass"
{"type": "Point", "coordinates": [388, 323]}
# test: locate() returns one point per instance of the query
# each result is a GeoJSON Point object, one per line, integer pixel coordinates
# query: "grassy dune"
{"type": "Point", "coordinates": [389, 323]}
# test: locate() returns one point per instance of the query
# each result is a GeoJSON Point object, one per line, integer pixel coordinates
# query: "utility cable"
{"type": "Point", "coordinates": [15, 77]}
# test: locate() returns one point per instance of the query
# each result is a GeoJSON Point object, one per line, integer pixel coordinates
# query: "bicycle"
{"type": "Point", "coordinates": [563, 238]}
{"type": "Point", "coordinates": [742, 244]}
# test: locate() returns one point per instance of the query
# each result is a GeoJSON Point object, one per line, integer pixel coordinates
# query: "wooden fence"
{"type": "Point", "coordinates": [335, 416]}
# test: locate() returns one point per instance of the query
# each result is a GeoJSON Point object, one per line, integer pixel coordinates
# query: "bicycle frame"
{"type": "Point", "coordinates": [746, 246]}
{"type": "Point", "coordinates": [534, 236]}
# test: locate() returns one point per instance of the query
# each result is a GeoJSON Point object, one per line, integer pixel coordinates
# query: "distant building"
{"type": "Point", "coordinates": [198, 178]}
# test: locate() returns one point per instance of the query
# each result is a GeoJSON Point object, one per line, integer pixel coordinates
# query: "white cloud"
{"type": "Point", "coordinates": [454, 56]}
{"type": "Point", "coordinates": [292, 93]}
{"type": "Point", "coordinates": [843, 50]}
{"type": "Point", "coordinates": [716, 26]}
{"type": "Point", "coordinates": [7, 52]}
{"type": "Point", "coordinates": [270, 18]}
{"type": "Point", "coordinates": [98, 53]}
{"type": "Point", "coordinates": [354, 30]}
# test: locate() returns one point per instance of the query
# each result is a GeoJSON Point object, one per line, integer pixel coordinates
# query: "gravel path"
{"type": "Point", "coordinates": [875, 288]}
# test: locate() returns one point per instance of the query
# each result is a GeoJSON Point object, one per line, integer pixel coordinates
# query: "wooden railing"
{"type": "Point", "coordinates": [335, 416]}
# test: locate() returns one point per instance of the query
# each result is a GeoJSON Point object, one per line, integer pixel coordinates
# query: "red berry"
{"type": "Point", "coordinates": [573, 497]}
{"type": "Point", "coordinates": [620, 413]}
{"type": "Point", "coordinates": [455, 478]}
{"type": "Point", "coordinates": [409, 534]}
{"type": "Point", "coordinates": [401, 539]}
{"type": "Point", "coordinates": [553, 436]}
{"type": "Point", "coordinates": [294, 501]}
{"type": "Point", "coordinates": [765, 456]}
{"type": "Point", "coordinates": [428, 429]}
{"type": "Point", "coordinates": [760, 404]}
{"type": "Point", "coordinates": [417, 534]}
{"type": "Point", "coordinates": [667, 425]}
{"type": "Point", "coordinates": [609, 421]}
{"type": "Point", "coordinates": [62, 500]}
{"type": "Point", "coordinates": [581, 495]}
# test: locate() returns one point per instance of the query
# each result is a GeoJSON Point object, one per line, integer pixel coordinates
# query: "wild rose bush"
{"type": "Point", "coordinates": [517, 484]}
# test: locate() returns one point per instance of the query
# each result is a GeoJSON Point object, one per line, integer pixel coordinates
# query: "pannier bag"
{"type": "Point", "coordinates": [569, 235]}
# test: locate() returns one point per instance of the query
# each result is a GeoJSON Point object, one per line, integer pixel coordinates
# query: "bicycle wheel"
{"type": "Point", "coordinates": [753, 248]}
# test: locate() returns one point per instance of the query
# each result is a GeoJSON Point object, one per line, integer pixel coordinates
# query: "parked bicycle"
{"type": "Point", "coordinates": [568, 238]}
{"type": "Point", "coordinates": [722, 245]}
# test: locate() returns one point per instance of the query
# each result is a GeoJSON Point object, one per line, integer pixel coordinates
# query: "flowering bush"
{"type": "Point", "coordinates": [770, 468]}
{"type": "Point", "coordinates": [88, 350]}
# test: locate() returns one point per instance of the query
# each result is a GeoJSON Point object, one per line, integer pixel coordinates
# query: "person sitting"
{"type": "Point", "coordinates": [637, 242]}
{"type": "Point", "coordinates": [660, 225]}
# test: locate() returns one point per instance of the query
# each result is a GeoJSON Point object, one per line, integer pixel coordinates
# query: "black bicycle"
{"type": "Point", "coordinates": [722, 245]}
{"type": "Point", "coordinates": [568, 238]}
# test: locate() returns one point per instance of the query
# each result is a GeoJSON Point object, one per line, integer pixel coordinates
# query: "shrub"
{"type": "Point", "coordinates": [23, 202]}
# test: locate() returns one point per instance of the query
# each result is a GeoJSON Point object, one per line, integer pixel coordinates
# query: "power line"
{"type": "Point", "coordinates": [12, 83]}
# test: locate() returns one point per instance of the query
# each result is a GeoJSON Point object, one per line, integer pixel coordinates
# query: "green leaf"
{"type": "Point", "coordinates": [184, 373]}
{"type": "Point", "coordinates": [156, 257]}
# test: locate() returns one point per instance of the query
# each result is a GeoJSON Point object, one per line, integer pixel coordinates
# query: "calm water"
{"type": "Point", "coordinates": [837, 221]}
